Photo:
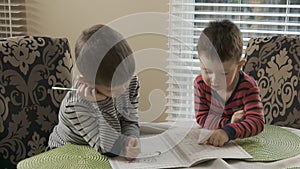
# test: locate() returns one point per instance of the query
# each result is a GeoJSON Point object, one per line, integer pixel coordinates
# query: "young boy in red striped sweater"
{"type": "Point", "coordinates": [226, 99]}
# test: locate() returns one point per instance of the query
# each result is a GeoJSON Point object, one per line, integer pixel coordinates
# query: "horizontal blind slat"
{"type": "Point", "coordinates": [238, 13]}
{"type": "Point", "coordinates": [236, 5]}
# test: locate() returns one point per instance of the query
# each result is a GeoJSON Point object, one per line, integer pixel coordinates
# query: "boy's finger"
{"type": "Point", "coordinates": [133, 149]}
{"type": "Point", "coordinates": [240, 112]}
{"type": "Point", "coordinates": [86, 91]}
{"type": "Point", "coordinates": [131, 152]}
{"type": "Point", "coordinates": [80, 89]}
{"type": "Point", "coordinates": [132, 142]}
{"type": "Point", "coordinates": [81, 79]}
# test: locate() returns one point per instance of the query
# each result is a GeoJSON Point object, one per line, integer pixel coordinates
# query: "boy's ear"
{"type": "Point", "coordinates": [241, 63]}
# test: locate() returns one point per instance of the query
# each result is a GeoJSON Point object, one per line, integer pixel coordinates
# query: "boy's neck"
{"type": "Point", "coordinates": [234, 83]}
{"type": "Point", "coordinates": [231, 88]}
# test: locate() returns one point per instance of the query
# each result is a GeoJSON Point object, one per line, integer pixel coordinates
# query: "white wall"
{"type": "Point", "coordinates": [143, 22]}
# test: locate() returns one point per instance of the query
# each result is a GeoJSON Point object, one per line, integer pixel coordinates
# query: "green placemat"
{"type": "Point", "coordinates": [274, 143]}
{"type": "Point", "coordinates": [68, 156]}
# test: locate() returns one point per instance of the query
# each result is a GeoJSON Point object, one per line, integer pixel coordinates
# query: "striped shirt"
{"type": "Point", "coordinates": [103, 125]}
{"type": "Point", "coordinates": [213, 112]}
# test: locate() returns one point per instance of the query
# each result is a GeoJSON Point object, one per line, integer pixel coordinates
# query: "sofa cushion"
{"type": "Point", "coordinates": [274, 62]}
{"type": "Point", "coordinates": [29, 67]}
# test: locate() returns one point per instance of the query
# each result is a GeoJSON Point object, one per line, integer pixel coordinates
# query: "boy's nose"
{"type": "Point", "coordinates": [213, 78]}
{"type": "Point", "coordinates": [216, 80]}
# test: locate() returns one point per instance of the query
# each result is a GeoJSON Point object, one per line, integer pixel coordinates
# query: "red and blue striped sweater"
{"type": "Point", "coordinates": [213, 112]}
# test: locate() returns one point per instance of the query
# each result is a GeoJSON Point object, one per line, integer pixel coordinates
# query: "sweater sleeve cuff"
{"type": "Point", "coordinates": [230, 132]}
{"type": "Point", "coordinates": [227, 122]}
{"type": "Point", "coordinates": [118, 147]}
{"type": "Point", "coordinates": [132, 130]}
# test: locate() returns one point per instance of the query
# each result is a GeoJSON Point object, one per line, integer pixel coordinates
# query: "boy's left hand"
{"type": "Point", "coordinates": [133, 148]}
{"type": "Point", "coordinates": [87, 92]}
{"type": "Point", "coordinates": [218, 138]}
{"type": "Point", "coordinates": [238, 116]}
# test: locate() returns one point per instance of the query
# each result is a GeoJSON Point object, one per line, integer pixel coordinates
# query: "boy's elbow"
{"type": "Point", "coordinates": [260, 126]}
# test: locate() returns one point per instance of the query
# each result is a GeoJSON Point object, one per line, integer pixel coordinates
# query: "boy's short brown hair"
{"type": "Point", "coordinates": [223, 38]}
{"type": "Point", "coordinates": [104, 57]}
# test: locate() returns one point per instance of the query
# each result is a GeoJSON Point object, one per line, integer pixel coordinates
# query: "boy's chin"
{"type": "Point", "coordinates": [218, 88]}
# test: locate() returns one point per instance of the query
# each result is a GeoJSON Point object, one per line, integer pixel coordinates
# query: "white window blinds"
{"type": "Point", "coordinates": [12, 18]}
{"type": "Point", "coordinates": [255, 18]}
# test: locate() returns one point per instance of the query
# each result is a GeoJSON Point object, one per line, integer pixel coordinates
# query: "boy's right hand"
{"type": "Point", "coordinates": [238, 116]}
{"type": "Point", "coordinates": [218, 138]}
{"type": "Point", "coordinates": [133, 148]}
{"type": "Point", "coordinates": [87, 92]}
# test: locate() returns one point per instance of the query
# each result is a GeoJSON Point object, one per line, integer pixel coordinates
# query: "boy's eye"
{"type": "Point", "coordinates": [208, 72]}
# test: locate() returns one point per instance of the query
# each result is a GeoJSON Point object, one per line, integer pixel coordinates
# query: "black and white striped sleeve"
{"type": "Point", "coordinates": [127, 106]}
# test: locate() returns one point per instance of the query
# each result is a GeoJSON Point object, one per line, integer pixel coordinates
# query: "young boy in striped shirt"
{"type": "Point", "coordinates": [226, 99]}
{"type": "Point", "coordinates": [102, 112]}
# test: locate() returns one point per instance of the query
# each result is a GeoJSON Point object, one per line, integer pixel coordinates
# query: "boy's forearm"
{"type": "Point", "coordinates": [224, 122]}
{"type": "Point", "coordinates": [249, 127]}
{"type": "Point", "coordinates": [130, 128]}
{"type": "Point", "coordinates": [200, 118]}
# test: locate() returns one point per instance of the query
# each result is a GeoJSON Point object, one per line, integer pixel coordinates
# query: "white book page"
{"type": "Point", "coordinates": [195, 152]}
{"type": "Point", "coordinates": [156, 152]}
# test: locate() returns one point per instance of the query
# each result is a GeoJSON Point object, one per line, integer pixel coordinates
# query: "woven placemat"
{"type": "Point", "coordinates": [68, 156]}
{"type": "Point", "coordinates": [274, 143]}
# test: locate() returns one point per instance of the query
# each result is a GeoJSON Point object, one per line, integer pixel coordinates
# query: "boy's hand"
{"type": "Point", "coordinates": [133, 148]}
{"type": "Point", "coordinates": [238, 116]}
{"type": "Point", "coordinates": [87, 92]}
{"type": "Point", "coordinates": [218, 138]}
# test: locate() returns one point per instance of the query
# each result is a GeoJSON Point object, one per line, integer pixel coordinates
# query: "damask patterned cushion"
{"type": "Point", "coordinates": [29, 67]}
{"type": "Point", "coordinates": [275, 63]}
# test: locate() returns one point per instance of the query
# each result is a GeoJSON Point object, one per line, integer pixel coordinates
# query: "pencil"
{"type": "Point", "coordinates": [63, 88]}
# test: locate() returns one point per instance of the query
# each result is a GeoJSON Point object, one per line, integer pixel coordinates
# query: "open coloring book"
{"type": "Point", "coordinates": [178, 147]}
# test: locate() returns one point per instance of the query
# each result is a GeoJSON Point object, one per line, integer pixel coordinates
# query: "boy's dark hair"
{"type": "Point", "coordinates": [224, 37]}
{"type": "Point", "coordinates": [104, 57]}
